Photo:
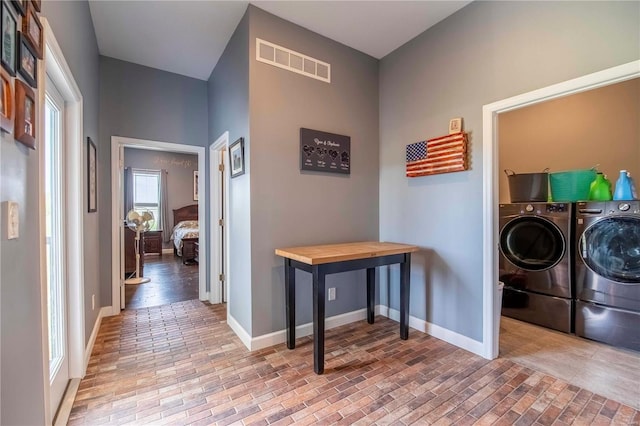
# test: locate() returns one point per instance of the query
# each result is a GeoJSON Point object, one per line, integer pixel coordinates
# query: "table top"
{"type": "Point", "coordinates": [316, 255]}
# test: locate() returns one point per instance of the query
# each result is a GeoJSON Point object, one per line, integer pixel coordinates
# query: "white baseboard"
{"type": "Point", "coordinates": [62, 417]}
{"type": "Point", "coordinates": [105, 311]}
{"type": "Point", "coordinates": [245, 338]}
{"type": "Point", "coordinates": [436, 331]}
{"type": "Point", "coordinates": [278, 337]}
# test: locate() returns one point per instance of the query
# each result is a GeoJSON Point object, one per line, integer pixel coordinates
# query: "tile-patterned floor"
{"type": "Point", "coordinates": [181, 364]}
{"type": "Point", "coordinates": [606, 370]}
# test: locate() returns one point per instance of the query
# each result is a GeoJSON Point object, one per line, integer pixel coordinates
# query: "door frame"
{"type": "Point", "coordinates": [217, 151]}
{"type": "Point", "coordinates": [117, 199]}
{"type": "Point", "coordinates": [58, 70]}
{"type": "Point", "coordinates": [617, 74]}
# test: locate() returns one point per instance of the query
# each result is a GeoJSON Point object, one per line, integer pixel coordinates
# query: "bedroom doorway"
{"type": "Point", "coordinates": [176, 274]}
{"type": "Point", "coordinates": [159, 182]}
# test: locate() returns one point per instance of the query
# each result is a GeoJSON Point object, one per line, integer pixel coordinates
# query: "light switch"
{"type": "Point", "coordinates": [13, 220]}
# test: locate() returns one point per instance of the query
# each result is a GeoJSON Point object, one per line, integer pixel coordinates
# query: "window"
{"type": "Point", "coordinates": [146, 194]}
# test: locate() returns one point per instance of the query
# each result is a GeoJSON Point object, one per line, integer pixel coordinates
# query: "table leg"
{"type": "Point", "coordinates": [371, 297]}
{"type": "Point", "coordinates": [405, 272]}
{"type": "Point", "coordinates": [318, 319]}
{"type": "Point", "coordinates": [290, 302]}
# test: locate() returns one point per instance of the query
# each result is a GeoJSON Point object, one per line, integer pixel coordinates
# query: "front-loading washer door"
{"type": "Point", "coordinates": [532, 243]}
{"type": "Point", "coordinates": [611, 248]}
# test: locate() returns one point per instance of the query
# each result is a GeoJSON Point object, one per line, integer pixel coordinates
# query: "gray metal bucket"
{"type": "Point", "coordinates": [526, 187]}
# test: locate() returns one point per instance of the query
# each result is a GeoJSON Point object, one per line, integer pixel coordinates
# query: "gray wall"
{"type": "Point", "coordinates": [180, 168]}
{"type": "Point", "coordinates": [228, 98]}
{"type": "Point", "coordinates": [143, 103]}
{"type": "Point", "coordinates": [597, 127]}
{"type": "Point", "coordinates": [21, 330]}
{"type": "Point", "coordinates": [485, 52]}
{"type": "Point", "coordinates": [288, 207]}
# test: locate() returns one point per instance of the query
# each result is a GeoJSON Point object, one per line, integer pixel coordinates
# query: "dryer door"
{"type": "Point", "coordinates": [532, 243]}
{"type": "Point", "coordinates": [611, 248]}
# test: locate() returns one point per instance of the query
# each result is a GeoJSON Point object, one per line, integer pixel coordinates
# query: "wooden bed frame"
{"type": "Point", "coordinates": [189, 212]}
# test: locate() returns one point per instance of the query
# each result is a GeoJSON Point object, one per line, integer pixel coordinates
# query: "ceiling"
{"type": "Point", "coordinates": [161, 34]}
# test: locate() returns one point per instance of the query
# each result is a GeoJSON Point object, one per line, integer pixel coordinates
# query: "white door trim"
{"type": "Point", "coordinates": [57, 68]}
{"type": "Point", "coordinates": [215, 288]}
{"type": "Point", "coordinates": [116, 191]}
{"type": "Point", "coordinates": [490, 334]}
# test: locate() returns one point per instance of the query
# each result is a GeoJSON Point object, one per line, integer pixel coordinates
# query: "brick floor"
{"type": "Point", "coordinates": [181, 364]}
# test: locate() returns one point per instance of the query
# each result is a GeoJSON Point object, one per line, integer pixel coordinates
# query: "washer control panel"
{"type": "Point", "coordinates": [623, 207]}
{"type": "Point", "coordinates": [556, 208]}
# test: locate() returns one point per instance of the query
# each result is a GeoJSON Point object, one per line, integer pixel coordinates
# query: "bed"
{"type": "Point", "coordinates": [185, 233]}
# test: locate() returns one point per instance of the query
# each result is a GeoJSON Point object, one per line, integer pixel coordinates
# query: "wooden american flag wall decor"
{"type": "Point", "coordinates": [438, 155]}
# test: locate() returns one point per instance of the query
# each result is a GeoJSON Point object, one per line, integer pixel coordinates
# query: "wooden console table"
{"type": "Point", "coordinates": [331, 259]}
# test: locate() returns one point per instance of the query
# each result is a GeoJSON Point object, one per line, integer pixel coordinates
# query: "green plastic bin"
{"type": "Point", "coordinates": [571, 185]}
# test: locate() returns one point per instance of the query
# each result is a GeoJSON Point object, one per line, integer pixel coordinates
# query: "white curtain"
{"type": "Point", "coordinates": [165, 223]}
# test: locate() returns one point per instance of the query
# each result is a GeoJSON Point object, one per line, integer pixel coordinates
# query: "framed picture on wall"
{"type": "Point", "coordinates": [455, 125]}
{"type": "Point", "coordinates": [195, 185]}
{"type": "Point", "coordinates": [236, 157]}
{"type": "Point", "coordinates": [27, 61]}
{"type": "Point", "coordinates": [25, 123]}
{"type": "Point", "coordinates": [92, 176]}
{"type": "Point", "coordinates": [6, 102]}
{"type": "Point", "coordinates": [20, 5]}
{"type": "Point", "coordinates": [32, 30]}
{"type": "Point", "coordinates": [9, 33]}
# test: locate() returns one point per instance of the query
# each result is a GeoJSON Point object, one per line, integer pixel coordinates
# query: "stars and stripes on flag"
{"type": "Point", "coordinates": [439, 155]}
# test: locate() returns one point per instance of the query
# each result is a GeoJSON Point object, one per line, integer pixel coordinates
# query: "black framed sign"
{"type": "Point", "coordinates": [325, 152]}
{"type": "Point", "coordinates": [236, 157]}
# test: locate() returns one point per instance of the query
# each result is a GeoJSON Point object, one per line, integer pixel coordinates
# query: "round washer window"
{"type": "Point", "coordinates": [532, 243]}
{"type": "Point", "coordinates": [611, 248]}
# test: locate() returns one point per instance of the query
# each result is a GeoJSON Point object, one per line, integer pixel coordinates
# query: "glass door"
{"type": "Point", "coordinates": [532, 243]}
{"type": "Point", "coordinates": [611, 248]}
{"type": "Point", "coordinates": [54, 178]}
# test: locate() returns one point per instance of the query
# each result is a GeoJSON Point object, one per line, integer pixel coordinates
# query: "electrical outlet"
{"type": "Point", "coordinates": [332, 293]}
{"type": "Point", "coordinates": [93, 301]}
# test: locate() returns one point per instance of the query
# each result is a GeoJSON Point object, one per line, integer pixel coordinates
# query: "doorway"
{"type": "Point", "coordinates": [55, 242]}
{"type": "Point", "coordinates": [65, 324]}
{"type": "Point", "coordinates": [528, 333]}
{"type": "Point", "coordinates": [490, 334]}
{"type": "Point", "coordinates": [197, 244]}
{"type": "Point", "coordinates": [158, 270]}
{"type": "Point", "coordinates": [219, 218]}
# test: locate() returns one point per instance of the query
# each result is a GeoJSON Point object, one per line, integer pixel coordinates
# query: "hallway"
{"type": "Point", "coordinates": [182, 364]}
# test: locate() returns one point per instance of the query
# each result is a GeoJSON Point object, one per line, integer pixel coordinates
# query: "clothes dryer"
{"type": "Point", "coordinates": [535, 263]}
{"type": "Point", "coordinates": [608, 272]}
